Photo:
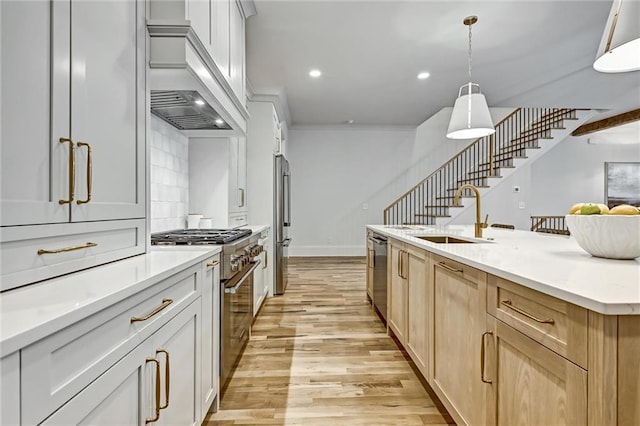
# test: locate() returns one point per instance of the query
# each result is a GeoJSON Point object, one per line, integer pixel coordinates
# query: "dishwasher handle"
{"type": "Point", "coordinates": [378, 240]}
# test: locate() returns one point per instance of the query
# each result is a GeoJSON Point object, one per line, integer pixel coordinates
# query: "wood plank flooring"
{"type": "Point", "coordinates": [318, 355]}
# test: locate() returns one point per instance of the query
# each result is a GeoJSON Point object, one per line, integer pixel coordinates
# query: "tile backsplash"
{"type": "Point", "coordinates": [169, 176]}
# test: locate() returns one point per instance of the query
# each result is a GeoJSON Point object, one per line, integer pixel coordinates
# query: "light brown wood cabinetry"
{"type": "Point", "coordinates": [499, 353]}
{"type": "Point", "coordinates": [418, 288]}
{"type": "Point", "coordinates": [559, 325]}
{"type": "Point", "coordinates": [397, 290]}
{"type": "Point", "coordinates": [459, 309]}
{"type": "Point", "coordinates": [529, 383]}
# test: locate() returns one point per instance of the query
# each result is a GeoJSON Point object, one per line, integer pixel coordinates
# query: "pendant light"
{"type": "Point", "coordinates": [470, 117]}
{"type": "Point", "coordinates": [619, 49]}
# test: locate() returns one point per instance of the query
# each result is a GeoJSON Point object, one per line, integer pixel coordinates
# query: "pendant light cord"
{"type": "Point", "coordinates": [470, 80]}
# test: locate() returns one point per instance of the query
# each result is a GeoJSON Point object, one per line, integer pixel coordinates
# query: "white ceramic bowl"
{"type": "Point", "coordinates": [610, 236]}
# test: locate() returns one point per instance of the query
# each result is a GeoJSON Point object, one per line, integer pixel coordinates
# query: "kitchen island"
{"type": "Point", "coordinates": [516, 327]}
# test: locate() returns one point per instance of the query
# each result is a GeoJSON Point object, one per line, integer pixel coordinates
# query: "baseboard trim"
{"type": "Point", "coordinates": [327, 251]}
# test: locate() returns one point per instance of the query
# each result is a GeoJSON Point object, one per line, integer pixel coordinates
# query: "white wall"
{"type": "Point", "coordinates": [336, 171]}
{"type": "Point", "coordinates": [169, 176]}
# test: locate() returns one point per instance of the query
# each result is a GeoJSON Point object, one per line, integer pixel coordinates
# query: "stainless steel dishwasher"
{"type": "Point", "coordinates": [380, 275]}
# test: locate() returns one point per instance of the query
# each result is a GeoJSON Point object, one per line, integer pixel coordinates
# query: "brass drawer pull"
{"type": "Point", "coordinates": [482, 356]}
{"type": "Point", "coordinates": [507, 303]}
{"type": "Point", "coordinates": [72, 170]}
{"type": "Point", "coordinates": [157, 415]}
{"type": "Point", "coordinates": [167, 378]}
{"type": "Point", "coordinates": [165, 303]}
{"type": "Point", "coordinates": [213, 264]}
{"type": "Point", "coordinates": [89, 172]}
{"type": "Point", "coordinates": [266, 259]}
{"type": "Point", "coordinates": [66, 249]}
{"type": "Point", "coordinates": [449, 268]}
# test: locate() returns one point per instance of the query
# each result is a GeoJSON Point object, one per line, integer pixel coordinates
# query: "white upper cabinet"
{"type": "Point", "coordinates": [237, 51]}
{"type": "Point", "coordinates": [107, 110]}
{"type": "Point", "coordinates": [35, 166]}
{"type": "Point", "coordinates": [72, 135]}
{"type": "Point", "coordinates": [72, 112]}
{"type": "Point", "coordinates": [220, 33]}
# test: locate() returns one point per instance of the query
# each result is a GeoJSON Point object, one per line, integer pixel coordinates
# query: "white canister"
{"type": "Point", "coordinates": [206, 223]}
{"type": "Point", "coordinates": [193, 221]}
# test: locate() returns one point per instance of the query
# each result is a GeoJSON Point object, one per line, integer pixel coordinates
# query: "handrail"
{"type": "Point", "coordinates": [478, 161]}
{"type": "Point", "coordinates": [447, 162]}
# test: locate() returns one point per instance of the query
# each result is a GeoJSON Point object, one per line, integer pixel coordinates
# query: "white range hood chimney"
{"type": "Point", "coordinates": [187, 89]}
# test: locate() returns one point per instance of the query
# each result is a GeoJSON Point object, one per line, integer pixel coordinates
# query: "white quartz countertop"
{"type": "Point", "coordinates": [30, 313]}
{"type": "Point", "coordinates": [551, 264]}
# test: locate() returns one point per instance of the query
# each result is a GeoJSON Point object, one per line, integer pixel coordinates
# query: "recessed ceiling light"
{"type": "Point", "coordinates": [423, 75]}
{"type": "Point", "coordinates": [219, 121]}
{"type": "Point", "coordinates": [199, 102]}
{"type": "Point", "coordinates": [349, 121]}
{"type": "Point", "coordinates": [315, 73]}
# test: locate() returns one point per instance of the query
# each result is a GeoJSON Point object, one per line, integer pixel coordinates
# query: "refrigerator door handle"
{"type": "Point", "coordinates": [286, 242]}
{"type": "Point", "coordinates": [287, 177]}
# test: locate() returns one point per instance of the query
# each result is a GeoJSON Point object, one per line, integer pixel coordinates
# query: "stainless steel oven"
{"type": "Point", "coordinates": [240, 247]}
{"type": "Point", "coordinates": [237, 316]}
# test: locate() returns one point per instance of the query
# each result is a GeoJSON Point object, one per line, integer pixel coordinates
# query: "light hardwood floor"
{"type": "Point", "coordinates": [318, 355]}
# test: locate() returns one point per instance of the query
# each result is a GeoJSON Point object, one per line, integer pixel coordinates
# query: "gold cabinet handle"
{"type": "Point", "coordinates": [66, 249]}
{"type": "Point", "coordinates": [89, 172]}
{"type": "Point", "coordinates": [449, 268]}
{"type": "Point", "coordinates": [507, 303]}
{"type": "Point", "coordinates": [482, 356]}
{"type": "Point", "coordinates": [266, 259]}
{"type": "Point", "coordinates": [213, 264]}
{"type": "Point", "coordinates": [157, 415]}
{"type": "Point", "coordinates": [165, 303]}
{"type": "Point", "coordinates": [72, 170]}
{"type": "Point", "coordinates": [241, 197]}
{"type": "Point", "coordinates": [400, 264]}
{"type": "Point", "coordinates": [167, 378]}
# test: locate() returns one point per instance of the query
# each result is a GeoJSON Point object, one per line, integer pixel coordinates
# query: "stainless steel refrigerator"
{"type": "Point", "coordinates": [282, 220]}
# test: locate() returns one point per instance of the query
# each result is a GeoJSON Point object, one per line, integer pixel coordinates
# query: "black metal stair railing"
{"type": "Point", "coordinates": [482, 159]}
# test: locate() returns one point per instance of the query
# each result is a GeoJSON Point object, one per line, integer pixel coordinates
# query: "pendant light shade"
{"type": "Point", "coordinates": [619, 49]}
{"type": "Point", "coordinates": [470, 117]}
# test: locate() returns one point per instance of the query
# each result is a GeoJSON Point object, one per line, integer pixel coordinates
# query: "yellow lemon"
{"type": "Point", "coordinates": [624, 209]}
{"type": "Point", "coordinates": [575, 209]}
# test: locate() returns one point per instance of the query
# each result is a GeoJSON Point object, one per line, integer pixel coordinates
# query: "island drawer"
{"type": "Point", "coordinates": [474, 275]}
{"type": "Point", "coordinates": [60, 365]}
{"type": "Point", "coordinates": [559, 325]}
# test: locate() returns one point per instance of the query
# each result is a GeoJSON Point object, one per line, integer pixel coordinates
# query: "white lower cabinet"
{"type": "Point", "coordinates": [154, 383]}
{"type": "Point", "coordinates": [210, 373]}
{"type": "Point", "coordinates": [10, 389]}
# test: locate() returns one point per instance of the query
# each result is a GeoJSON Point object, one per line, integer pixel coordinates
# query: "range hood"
{"type": "Point", "coordinates": [188, 90]}
{"type": "Point", "coordinates": [186, 110]}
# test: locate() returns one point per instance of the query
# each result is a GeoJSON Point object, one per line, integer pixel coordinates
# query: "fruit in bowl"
{"type": "Point", "coordinates": [614, 236]}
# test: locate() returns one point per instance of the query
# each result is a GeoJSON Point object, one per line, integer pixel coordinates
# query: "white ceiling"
{"type": "Point", "coordinates": [525, 53]}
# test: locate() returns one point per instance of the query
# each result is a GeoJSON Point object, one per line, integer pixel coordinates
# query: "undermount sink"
{"type": "Point", "coordinates": [444, 239]}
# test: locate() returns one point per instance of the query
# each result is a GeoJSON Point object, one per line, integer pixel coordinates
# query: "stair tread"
{"type": "Point", "coordinates": [448, 207]}
{"type": "Point", "coordinates": [431, 215]}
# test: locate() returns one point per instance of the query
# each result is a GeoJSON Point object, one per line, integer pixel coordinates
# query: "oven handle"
{"type": "Point", "coordinates": [234, 289]}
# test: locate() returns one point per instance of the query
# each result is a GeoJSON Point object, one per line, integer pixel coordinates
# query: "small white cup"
{"type": "Point", "coordinates": [193, 221]}
{"type": "Point", "coordinates": [206, 223]}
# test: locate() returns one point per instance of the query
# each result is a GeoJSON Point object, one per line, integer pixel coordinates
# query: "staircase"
{"type": "Point", "coordinates": [520, 137]}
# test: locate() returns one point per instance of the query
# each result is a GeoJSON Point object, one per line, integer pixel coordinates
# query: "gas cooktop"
{"type": "Point", "coordinates": [198, 236]}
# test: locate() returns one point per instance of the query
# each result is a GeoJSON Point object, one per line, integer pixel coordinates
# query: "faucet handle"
{"type": "Point", "coordinates": [485, 224]}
